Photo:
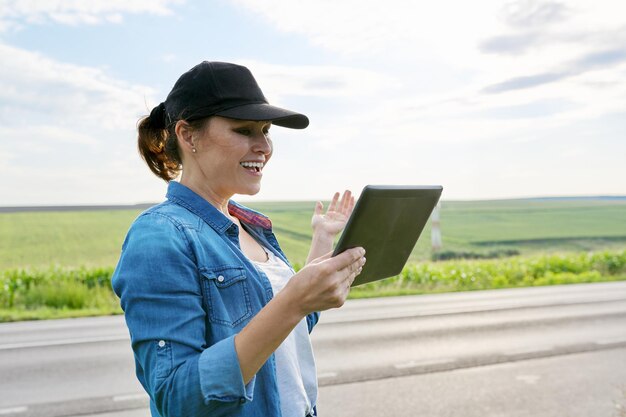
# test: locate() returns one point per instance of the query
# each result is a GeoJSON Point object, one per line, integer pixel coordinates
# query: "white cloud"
{"type": "Point", "coordinates": [66, 127]}
{"type": "Point", "coordinates": [6, 156]}
{"type": "Point", "coordinates": [36, 135]}
{"type": "Point", "coordinates": [393, 28]}
{"type": "Point", "coordinates": [67, 94]}
{"type": "Point", "coordinates": [532, 13]}
{"type": "Point", "coordinates": [429, 101]}
{"type": "Point", "coordinates": [398, 96]}
{"type": "Point", "coordinates": [447, 35]}
{"type": "Point", "coordinates": [14, 13]}
{"type": "Point", "coordinates": [419, 36]}
{"type": "Point", "coordinates": [317, 80]}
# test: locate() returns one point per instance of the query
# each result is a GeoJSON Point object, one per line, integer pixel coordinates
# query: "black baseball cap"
{"type": "Point", "coordinates": [221, 89]}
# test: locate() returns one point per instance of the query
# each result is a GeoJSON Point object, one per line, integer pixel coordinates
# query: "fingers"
{"type": "Point", "coordinates": [357, 266]}
{"type": "Point", "coordinates": [324, 257]}
{"type": "Point", "coordinates": [345, 205]}
{"type": "Point", "coordinates": [332, 278]}
{"type": "Point", "coordinates": [345, 201]}
{"type": "Point", "coordinates": [319, 207]}
{"type": "Point", "coordinates": [346, 258]}
{"type": "Point", "coordinates": [355, 269]}
{"type": "Point", "coordinates": [327, 255]}
{"type": "Point", "coordinates": [333, 203]}
{"type": "Point", "coordinates": [353, 276]}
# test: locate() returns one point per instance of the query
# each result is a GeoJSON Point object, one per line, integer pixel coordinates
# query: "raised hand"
{"type": "Point", "coordinates": [336, 216]}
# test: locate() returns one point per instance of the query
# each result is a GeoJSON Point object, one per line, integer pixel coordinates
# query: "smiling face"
{"type": "Point", "coordinates": [229, 159]}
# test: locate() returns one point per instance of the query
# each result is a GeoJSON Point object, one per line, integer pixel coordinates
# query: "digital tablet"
{"type": "Point", "coordinates": [387, 220]}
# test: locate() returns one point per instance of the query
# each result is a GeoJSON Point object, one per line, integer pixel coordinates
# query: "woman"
{"type": "Point", "coordinates": [219, 321]}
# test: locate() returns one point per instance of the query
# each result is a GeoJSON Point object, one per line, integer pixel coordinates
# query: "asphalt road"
{"type": "Point", "coordinates": [548, 351]}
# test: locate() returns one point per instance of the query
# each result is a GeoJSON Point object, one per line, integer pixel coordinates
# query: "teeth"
{"type": "Point", "coordinates": [251, 164]}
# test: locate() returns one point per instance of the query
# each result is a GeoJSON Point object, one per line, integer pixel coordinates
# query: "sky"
{"type": "Point", "coordinates": [490, 99]}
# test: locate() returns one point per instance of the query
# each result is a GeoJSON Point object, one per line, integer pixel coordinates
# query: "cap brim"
{"type": "Point", "coordinates": [262, 111]}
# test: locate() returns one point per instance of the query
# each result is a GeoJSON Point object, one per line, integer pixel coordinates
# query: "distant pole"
{"type": "Point", "coordinates": [435, 230]}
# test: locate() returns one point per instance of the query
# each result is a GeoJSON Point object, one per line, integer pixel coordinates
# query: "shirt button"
{"type": "Point", "coordinates": [220, 278]}
{"type": "Point", "coordinates": [161, 343]}
{"type": "Point", "coordinates": [242, 400]}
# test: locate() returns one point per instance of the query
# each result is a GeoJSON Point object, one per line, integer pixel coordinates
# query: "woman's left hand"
{"type": "Point", "coordinates": [336, 216]}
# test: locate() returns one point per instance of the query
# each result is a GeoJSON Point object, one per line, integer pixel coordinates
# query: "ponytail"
{"type": "Point", "coordinates": [158, 147]}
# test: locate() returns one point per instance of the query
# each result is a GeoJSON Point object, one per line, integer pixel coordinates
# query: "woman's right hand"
{"type": "Point", "coordinates": [324, 283]}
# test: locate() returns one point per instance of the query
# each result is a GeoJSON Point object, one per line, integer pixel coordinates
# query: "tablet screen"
{"type": "Point", "coordinates": [387, 221]}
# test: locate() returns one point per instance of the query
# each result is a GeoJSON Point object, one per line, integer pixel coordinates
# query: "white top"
{"type": "Point", "coordinates": [295, 365]}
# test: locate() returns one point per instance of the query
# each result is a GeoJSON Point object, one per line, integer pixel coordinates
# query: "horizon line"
{"type": "Point", "coordinates": [71, 207]}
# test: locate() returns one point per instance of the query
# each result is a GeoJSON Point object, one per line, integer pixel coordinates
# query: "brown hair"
{"type": "Point", "coordinates": [158, 146]}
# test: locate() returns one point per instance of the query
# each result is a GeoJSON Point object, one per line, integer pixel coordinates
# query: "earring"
{"type": "Point", "coordinates": [193, 150]}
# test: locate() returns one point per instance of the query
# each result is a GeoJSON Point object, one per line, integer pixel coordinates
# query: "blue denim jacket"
{"type": "Point", "coordinates": [187, 289]}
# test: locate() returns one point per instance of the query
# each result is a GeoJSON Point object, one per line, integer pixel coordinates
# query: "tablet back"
{"type": "Point", "coordinates": [387, 221]}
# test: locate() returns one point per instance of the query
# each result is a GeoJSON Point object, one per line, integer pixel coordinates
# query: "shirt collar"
{"type": "Point", "coordinates": [248, 215]}
{"type": "Point", "coordinates": [185, 197]}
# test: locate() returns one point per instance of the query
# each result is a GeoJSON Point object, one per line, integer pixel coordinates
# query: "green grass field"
{"type": "Point", "coordinates": [57, 264]}
{"type": "Point", "coordinates": [94, 238]}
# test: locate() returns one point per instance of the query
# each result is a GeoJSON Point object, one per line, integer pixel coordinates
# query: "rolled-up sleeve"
{"type": "Point", "coordinates": [219, 380]}
{"type": "Point", "coordinates": [159, 287]}
{"type": "Point", "coordinates": [312, 319]}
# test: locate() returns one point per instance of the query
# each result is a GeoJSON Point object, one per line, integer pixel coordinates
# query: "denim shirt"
{"type": "Point", "coordinates": [187, 289]}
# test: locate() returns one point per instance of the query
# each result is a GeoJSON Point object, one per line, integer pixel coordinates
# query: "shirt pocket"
{"type": "Point", "coordinates": [226, 295]}
{"type": "Point", "coordinates": [164, 359]}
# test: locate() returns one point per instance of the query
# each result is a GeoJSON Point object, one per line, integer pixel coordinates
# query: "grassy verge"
{"type": "Point", "coordinates": [34, 294]}
{"type": "Point", "coordinates": [468, 275]}
{"type": "Point", "coordinates": [31, 294]}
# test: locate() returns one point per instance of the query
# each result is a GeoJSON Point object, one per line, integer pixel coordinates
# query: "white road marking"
{"type": "Point", "coordinates": [130, 397]}
{"type": "Point", "coordinates": [529, 350]}
{"type": "Point", "coordinates": [62, 342]}
{"type": "Point", "coordinates": [327, 375]}
{"type": "Point", "coordinates": [13, 410]}
{"type": "Point", "coordinates": [414, 364]}
{"type": "Point", "coordinates": [611, 341]}
{"type": "Point", "coordinates": [529, 379]}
